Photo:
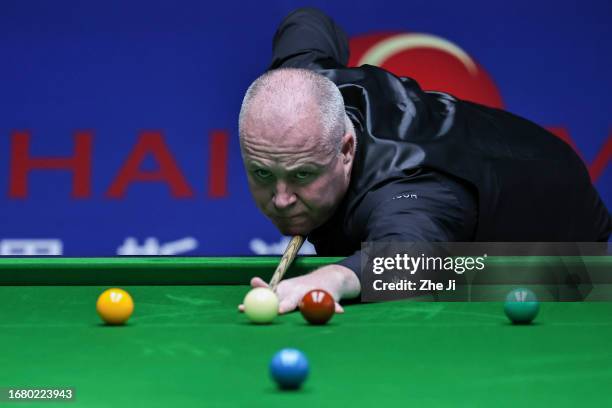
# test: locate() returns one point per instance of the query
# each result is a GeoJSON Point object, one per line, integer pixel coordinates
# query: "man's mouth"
{"type": "Point", "coordinates": [287, 218]}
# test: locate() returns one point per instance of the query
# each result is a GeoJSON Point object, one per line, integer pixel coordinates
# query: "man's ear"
{"type": "Point", "coordinates": [348, 148]}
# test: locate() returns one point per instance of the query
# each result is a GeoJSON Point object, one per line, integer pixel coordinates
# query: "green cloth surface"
{"type": "Point", "coordinates": [188, 346]}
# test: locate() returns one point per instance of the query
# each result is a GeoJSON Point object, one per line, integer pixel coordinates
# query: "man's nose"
{"type": "Point", "coordinates": [283, 196]}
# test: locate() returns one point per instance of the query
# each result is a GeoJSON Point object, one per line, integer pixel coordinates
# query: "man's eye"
{"type": "Point", "coordinates": [303, 175]}
{"type": "Point", "coordinates": [262, 174]}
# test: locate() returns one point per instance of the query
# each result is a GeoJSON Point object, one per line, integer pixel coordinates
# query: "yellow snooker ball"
{"type": "Point", "coordinates": [115, 306]}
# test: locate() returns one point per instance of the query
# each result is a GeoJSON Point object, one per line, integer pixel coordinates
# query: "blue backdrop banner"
{"type": "Point", "coordinates": [118, 119]}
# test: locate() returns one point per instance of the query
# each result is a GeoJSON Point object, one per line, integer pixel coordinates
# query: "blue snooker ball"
{"type": "Point", "coordinates": [521, 306]}
{"type": "Point", "coordinates": [289, 368]}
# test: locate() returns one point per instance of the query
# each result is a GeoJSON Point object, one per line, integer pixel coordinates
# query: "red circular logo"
{"type": "Point", "coordinates": [434, 62]}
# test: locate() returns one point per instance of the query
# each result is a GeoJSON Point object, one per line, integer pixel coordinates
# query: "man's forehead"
{"type": "Point", "coordinates": [301, 132]}
{"type": "Point", "coordinates": [262, 148]}
{"type": "Point", "coordinates": [289, 152]}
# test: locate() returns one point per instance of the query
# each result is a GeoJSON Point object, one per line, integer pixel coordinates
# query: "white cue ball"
{"type": "Point", "coordinates": [261, 305]}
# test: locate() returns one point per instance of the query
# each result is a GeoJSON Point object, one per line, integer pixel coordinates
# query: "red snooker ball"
{"type": "Point", "coordinates": [317, 306]}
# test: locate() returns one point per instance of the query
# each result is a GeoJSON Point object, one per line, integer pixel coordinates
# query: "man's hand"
{"type": "Point", "coordinates": [339, 281]}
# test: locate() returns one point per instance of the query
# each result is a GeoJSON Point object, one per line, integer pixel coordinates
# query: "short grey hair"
{"type": "Point", "coordinates": [297, 85]}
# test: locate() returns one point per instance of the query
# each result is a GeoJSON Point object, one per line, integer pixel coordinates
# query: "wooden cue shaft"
{"type": "Point", "coordinates": [290, 252]}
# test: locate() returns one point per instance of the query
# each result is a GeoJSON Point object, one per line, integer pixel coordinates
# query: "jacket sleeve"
{"type": "Point", "coordinates": [307, 38]}
{"type": "Point", "coordinates": [433, 208]}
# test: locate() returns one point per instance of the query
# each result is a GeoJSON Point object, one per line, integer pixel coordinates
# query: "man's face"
{"type": "Point", "coordinates": [296, 180]}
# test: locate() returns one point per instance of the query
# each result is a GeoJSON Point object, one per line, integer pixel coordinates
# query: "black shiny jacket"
{"type": "Point", "coordinates": [478, 173]}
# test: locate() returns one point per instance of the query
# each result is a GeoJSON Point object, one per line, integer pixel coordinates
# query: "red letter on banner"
{"type": "Point", "coordinates": [217, 164]}
{"type": "Point", "coordinates": [168, 172]}
{"type": "Point", "coordinates": [602, 159]}
{"type": "Point", "coordinates": [22, 163]}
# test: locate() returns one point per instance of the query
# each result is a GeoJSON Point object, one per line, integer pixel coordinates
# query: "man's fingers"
{"type": "Point", "coordinates": [286, 293]}
{"type": "Point", "coordinates": [257, 282]}
{"type": "Point", "coordinates": [287, 305]}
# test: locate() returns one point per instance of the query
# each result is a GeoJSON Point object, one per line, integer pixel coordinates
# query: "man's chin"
{"type": "Point", "coordinates": [295, 231]}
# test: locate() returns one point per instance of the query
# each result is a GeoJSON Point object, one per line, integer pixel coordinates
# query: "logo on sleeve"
{"type": "Point", "coordinates": [405, 195]}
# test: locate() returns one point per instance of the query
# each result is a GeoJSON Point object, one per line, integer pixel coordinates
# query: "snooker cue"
{"type": "Point", "coordinates": [290, 252]}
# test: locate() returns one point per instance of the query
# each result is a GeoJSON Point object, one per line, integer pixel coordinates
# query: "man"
{"type": "Point", "coordinates": [348, 155]}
